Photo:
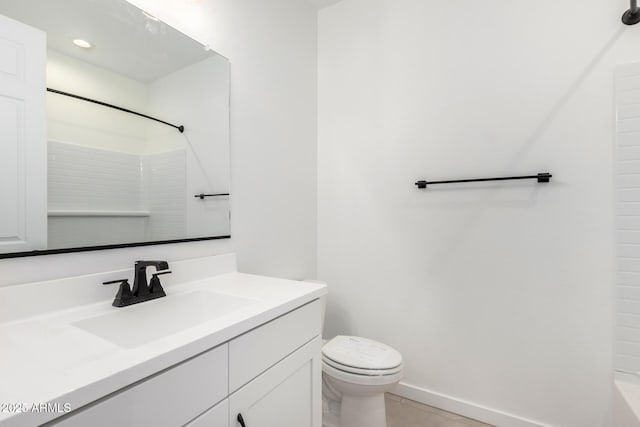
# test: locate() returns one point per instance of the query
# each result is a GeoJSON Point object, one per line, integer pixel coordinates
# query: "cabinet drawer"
{"type": "Point", "coordinates": [218, 416]}
{"type": "Point", "coordinates": [257, 350]}
{"type": "Point", "coordinates": [169, 399]}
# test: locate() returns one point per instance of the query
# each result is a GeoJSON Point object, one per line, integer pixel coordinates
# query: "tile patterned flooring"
{"type": "Point", "coordinates": [407, 413]}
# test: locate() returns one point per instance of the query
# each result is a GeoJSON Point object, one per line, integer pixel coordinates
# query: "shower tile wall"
{"type": "Point", "coordinates": [627, 210]}
{"type": "Point", "coordinates": [110, 184]}
{"type": "Point", "coordinates": [89, 179]}
{"type": "Point", "coordinates": [92, 179]}
{"type": "Point", "coordinates": [166, 182]}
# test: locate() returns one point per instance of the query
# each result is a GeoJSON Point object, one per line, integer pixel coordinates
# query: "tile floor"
{"type": "Point", "coordinates": [407, 413]}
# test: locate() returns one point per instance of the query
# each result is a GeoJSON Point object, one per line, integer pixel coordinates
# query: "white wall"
{"type": "Point", "coordinates": [272, 49]}
{"type": "Point", "coordinates": [77, 122]}
{"type": "Point", "coordinates": [205, 139]}
{"type": "Point", "coordinates": [497, 295]}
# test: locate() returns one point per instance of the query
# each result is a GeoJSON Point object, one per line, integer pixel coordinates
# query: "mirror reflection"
{"type": "Point", "coordinates": [137, 128]}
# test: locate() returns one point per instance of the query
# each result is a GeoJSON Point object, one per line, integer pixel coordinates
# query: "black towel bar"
{"type": "Point", "coordinates": [541, 177]}
{"type": "Point", "coordinates": [201, 196]}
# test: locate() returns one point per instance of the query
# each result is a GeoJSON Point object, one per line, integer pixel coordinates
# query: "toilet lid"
{"type": "Point", "coordinates": [360, 371]}
{"type": "Point", "coordinates": [361, 353]}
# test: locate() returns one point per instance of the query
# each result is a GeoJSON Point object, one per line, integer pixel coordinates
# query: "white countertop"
{"type": "Point", "coordinates": [46, 359]}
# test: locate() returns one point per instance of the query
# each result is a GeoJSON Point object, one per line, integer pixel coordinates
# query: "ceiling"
{"type": "Point", "coordinates": [124, 39]}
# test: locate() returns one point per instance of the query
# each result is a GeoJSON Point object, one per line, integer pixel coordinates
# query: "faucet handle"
{"type": "Point", "coordinates": [154, 285]}
{"type": "Point", "coordinates": [124, 295]}
{"type": "Point", "coordinates": [160, 273]}
{"type": "Point", "coordinates": [113, 282]}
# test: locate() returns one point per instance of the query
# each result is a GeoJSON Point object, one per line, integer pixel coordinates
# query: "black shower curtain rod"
{"type": "Point", "coordinates": [115, 107]}
{"type": "Point", "coordinates": [632, 16]}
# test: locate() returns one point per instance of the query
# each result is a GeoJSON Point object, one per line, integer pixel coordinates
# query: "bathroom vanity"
{"type": "Point", "coordinates": [222, 349]}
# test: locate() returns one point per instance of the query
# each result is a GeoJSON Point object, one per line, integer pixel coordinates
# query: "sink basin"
{"type": "Point", "coordinates": [142, 323]}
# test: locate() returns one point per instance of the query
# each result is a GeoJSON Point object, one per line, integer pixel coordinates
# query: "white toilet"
{"type": "Point", "coordinates": [356, 372]}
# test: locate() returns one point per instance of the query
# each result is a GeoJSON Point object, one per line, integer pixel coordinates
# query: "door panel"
{"type": "Point", "coordinates": [23, 161]}
{"type": "Point", "coordinates": [287, 395]}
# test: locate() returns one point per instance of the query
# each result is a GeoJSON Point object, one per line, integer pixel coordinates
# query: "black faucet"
{"type": "Point", "coordinates": [142, 291]}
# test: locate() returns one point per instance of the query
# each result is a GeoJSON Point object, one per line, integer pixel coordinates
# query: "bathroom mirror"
{"type": "Point", "coordinates": [137, 133]}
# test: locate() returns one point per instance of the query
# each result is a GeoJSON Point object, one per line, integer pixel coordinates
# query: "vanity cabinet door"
{"type": "Point", "coordinates": [23, 138]}
{"type": "Point", "coordinates": [287, 395]}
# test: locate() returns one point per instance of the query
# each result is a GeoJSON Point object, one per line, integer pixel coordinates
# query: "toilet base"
{"type": "Point", "coordinates": [330, 405]}
{"type": "Point", "coordinates": [332, 422]}
{"type": "Point", "coordinates": [359, 411]}
{"type": "Point", "coordinates": [339, 410]}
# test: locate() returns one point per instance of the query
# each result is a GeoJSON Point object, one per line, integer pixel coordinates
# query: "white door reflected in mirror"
{"type": "Point", "coordinates": [23, 215]}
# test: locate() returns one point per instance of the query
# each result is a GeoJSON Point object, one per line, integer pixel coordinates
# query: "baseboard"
{"type": "Point", "coordinates": [463, 407]}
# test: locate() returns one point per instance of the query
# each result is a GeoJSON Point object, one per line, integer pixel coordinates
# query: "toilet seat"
{"type": "Point", "coordinates": [366, 380]}
{"type": "Point", "coordinates": [361, 361]}
{"type": "Point", "coordinates": [361, 371]}
{"type": "Point", "coordinates": [361, 353]}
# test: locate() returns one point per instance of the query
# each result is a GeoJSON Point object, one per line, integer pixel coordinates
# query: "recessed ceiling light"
{"type": "Point", "coordinates": [82, 43]}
